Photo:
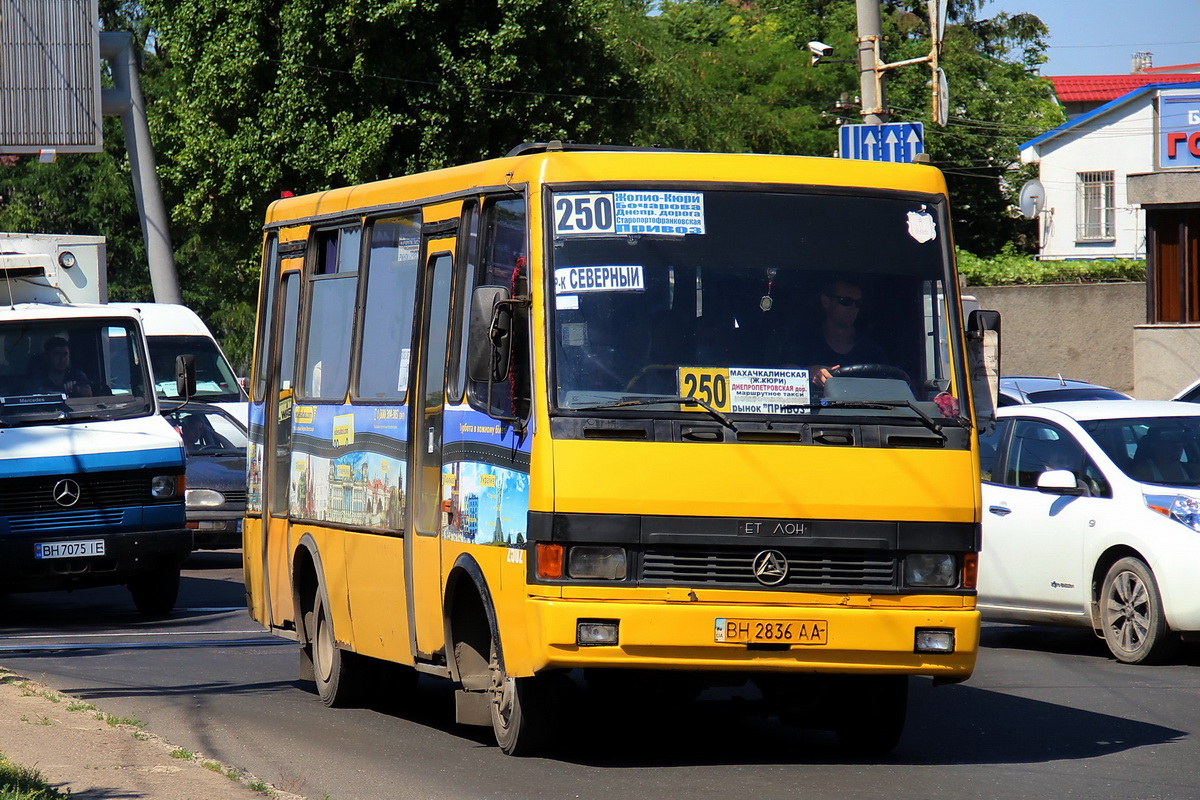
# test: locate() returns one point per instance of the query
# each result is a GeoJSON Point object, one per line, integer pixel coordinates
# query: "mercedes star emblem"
{"type": "Point", "coordinates": [66, 492]}
{"type": "Point", "coordinates": [770, 567]}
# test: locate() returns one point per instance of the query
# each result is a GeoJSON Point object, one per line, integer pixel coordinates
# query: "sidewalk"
{"type": "Point", "coordinates": [81, 751]}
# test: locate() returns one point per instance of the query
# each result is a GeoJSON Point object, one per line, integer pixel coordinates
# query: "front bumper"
{"type": "Point", "coordinates": [126, 555]}
{"type": "Point", "coordinates": [865, 638]}
{"type": "Point", "coordinates": [216, 530]}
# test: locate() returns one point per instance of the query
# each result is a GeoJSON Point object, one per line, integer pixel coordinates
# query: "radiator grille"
{"type": "Point", "coordinates": [35, 496]}
{"type": "Point", "coordinates": [735, 567]}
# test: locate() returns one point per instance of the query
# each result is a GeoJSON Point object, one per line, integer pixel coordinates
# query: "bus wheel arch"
{"type": "Point", "coordinates": [332, 670]}
{"type": "Point", "coordinates": [523, 712]}
{"type": "Point", "coordinates": [470, 620]}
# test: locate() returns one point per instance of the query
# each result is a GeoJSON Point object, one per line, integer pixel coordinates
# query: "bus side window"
{"type": "Point", "coordinates": [332, 289]}
{"type": "Point", "coordinates": [386, 339]}
{"type": "Point", "coordinates": [504, 262]}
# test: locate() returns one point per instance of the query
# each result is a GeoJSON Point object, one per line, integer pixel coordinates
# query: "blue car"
{"type": "Point", "coordinates": [215, 443]}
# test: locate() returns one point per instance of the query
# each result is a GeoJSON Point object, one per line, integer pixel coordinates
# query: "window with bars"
{"type": "Point", "coordinates": [1095, 215]}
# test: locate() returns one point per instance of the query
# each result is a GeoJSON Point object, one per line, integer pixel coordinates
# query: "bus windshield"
{"type": "Point", "coordinates": [757, 302]}
{"type": "Point", "coordinates": [62, 370]}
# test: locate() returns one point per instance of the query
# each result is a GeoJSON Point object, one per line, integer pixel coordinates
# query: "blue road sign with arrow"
{"type": "Point", "coordinates": [897, 142]}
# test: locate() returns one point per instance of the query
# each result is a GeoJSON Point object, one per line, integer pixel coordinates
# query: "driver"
{"type": "Point", "coordinates": [838, 342]}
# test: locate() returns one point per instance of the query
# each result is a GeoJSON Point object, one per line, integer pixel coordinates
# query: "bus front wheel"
{"type": "Point", "coordinates": [524, 712]}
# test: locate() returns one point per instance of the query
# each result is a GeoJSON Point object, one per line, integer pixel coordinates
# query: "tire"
{"type": "Point", "coordinates": [872, 720]}
{"type": "Point", "coordinates": [525, 711]}
{"type": "Point", "coordinates": [154, 594]}
{"type": "Point", "coordinates": [337, 683]}
{"type": "Point", "coordinates": [1131, 614]}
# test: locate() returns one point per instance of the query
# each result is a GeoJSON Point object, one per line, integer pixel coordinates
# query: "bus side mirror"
{"type": "Point", "coordinates": [185, 376]}
{"type": "Point", "coordinates": [489, 341]}
{"type": "Point", "coordinates": [983, 360]}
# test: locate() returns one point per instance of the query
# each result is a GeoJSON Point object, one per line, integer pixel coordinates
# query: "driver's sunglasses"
{"type": "Point", "coordinates": [842, 300]}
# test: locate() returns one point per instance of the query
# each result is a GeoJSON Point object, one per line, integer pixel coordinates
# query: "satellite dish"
{"type": "Point", "coordinates": [1033, 199]}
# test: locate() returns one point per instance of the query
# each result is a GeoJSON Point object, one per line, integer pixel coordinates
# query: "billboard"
{"type": "Point", "coordinates": [50, 76]}
{"type": "Point", "coordinates": [1179, 129]}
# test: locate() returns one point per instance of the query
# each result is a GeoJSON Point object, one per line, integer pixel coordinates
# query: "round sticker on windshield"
{"type": "Point", "coordinates": [921, 226]}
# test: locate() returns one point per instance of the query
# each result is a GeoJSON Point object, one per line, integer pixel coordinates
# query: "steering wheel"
{"type": "Point", "coordinates": [870, 371]}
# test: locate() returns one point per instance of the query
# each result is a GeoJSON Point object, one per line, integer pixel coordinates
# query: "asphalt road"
{"type": "Point", "coordinates": [1047, 714]}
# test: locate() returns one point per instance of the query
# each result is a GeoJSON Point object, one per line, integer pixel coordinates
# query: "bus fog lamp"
{"type": "Point", "coordinates": [934, 640]}
{"type": "Point", "coordinates": [593, 632]}
{"type": "Point", "coordinates": [597, 563]}
{"type": "Point", "coordinates": [930, 569]}
{"type": "Point", "coordinates": [164, 486]}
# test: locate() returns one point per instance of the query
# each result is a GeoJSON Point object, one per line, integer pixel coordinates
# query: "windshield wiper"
{"type": "Point", "coordinates": [877, 405]}
{"type": "Point", "coordinates": [654, 401]}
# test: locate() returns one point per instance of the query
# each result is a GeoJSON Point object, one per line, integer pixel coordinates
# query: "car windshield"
{"type": "Point", "coordinates": [1162, 450]}
{"type": "Point", "coordinates": [215, 381]}
{"type": "Point", "coordinates": [63, 370]}
{"type": "Point", "coordinates": [208, 431]}
{"type": "Point", "coordinates": [764, 303]}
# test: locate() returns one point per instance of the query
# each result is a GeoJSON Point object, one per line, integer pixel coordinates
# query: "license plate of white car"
{"type": "Point", "coordinates": [79, 549]}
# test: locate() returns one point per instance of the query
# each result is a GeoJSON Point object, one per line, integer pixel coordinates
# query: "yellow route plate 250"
{"type": "Point", "coordinates": [772, 631]}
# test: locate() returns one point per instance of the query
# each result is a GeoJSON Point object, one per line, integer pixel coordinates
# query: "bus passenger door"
{"type": "Point", "coordinates": [423, 567]}
{"type": "Point", "coordinates": [277, 457]}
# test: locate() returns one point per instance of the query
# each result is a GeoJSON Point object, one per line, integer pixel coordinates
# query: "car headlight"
{"type": "Point", "coordinates": [1178, 507]}
{"type": "Point", "coordinates": [203, 498]}
{"type": "Point", "coordinates": [163, 487]}
{"type": "Point", "coordinates": [606, 563]}
{"type": "Point", "coordinates": [930, 569]}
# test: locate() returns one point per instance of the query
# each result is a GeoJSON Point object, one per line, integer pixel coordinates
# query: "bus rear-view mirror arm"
{"type": "Point", "coordinates": [983, 361]}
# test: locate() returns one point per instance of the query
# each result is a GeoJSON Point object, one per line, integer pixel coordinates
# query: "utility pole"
{"type": "Point", "coordinates": [870, 76]}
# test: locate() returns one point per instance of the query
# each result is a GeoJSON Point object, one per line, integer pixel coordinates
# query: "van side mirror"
{"type": "Point", "coordinates": [489, 341]}
{"type": "Point", "coordinates": [983, 361]}
{"type": "Point", "coordinates": [185, 376]}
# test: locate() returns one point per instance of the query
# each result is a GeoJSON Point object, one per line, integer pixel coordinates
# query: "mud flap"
{"type": "Point", "coordinates": [473, 708]}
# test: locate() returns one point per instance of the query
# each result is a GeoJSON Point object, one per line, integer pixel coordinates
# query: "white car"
{"type": "Point", "coordinates": [1091, 517]}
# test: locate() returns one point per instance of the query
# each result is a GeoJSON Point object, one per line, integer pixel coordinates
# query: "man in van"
{"type": "Point", "coordinates": [55, 373]}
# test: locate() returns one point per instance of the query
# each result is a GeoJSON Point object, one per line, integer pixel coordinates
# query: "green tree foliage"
{"type": "Point", "coordinates": [737, 76]}
{"type": "Point", "coordinates": [303, 95]}
{"type": "Point", "coordinates": [250, 98]}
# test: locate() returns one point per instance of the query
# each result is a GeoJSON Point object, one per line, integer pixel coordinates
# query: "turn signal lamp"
{"type": "Point", "coordinates": [549, 561]}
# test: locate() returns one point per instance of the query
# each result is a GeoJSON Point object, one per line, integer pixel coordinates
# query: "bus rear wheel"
{"type": "Point", "coordinates": [525, 714]}
{"type": "Point", "coordinates": [333, 669]}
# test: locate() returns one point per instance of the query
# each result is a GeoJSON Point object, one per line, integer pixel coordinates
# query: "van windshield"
{"type": "Point", "coordinates": [56, 370]}
{"type": "Point", "coordinates": [764, 303]}
{"type": "Point", "coordinates": [215, 381]}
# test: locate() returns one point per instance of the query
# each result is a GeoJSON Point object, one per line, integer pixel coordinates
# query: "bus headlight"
{"type": "Point", "coordinates": [603, 563]}
{"type": "Point", "coordinates": [203, 498]}
{"type": "Point", "coordinates": [163, 487]}
{"type": "Point", "coordinates": [930, 569]}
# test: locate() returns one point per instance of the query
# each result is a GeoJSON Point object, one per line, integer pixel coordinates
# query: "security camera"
{"type": "Point", "coordinates": [820, 49]}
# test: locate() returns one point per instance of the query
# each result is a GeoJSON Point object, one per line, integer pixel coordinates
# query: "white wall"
{"type": "Point", "coordinates": [1121, 140]}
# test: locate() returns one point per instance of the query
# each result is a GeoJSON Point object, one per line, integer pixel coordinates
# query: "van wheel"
{"type": "Point", "coordinates": [1131, 614]}
{"type": "Point", "coordinates": [871, 717]}
{"type": "Point", "coordinates": [333, 669]}
{"type": "Point", "coordinates": [525, 711]}
{"type": "Point", "coordinates": [155, 593]}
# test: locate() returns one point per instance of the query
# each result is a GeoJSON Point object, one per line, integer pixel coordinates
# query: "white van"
{"type": "Point", "coordinates": [174, 330]}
